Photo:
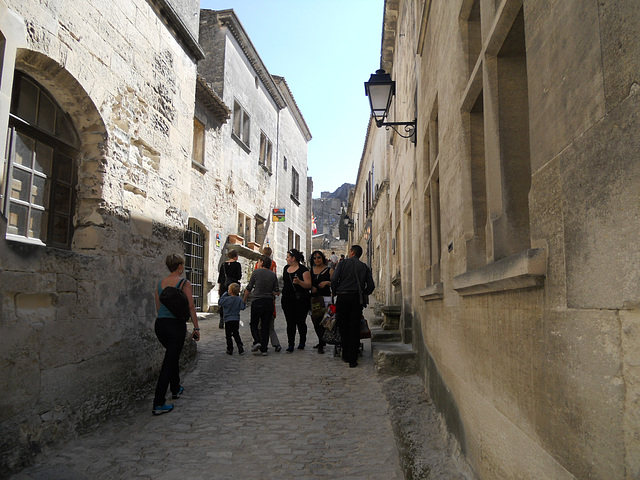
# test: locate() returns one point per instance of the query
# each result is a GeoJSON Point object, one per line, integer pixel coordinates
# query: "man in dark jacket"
{"type": "Point", "coordinates": [263, 285]}
{"type": "Point", "coordinates": [351, 283]}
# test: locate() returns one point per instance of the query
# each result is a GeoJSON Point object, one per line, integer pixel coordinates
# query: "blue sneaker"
{"type": "Point", "coordinates": [180, 392]}
{"type": "Point", "coordinates": [159, 410]}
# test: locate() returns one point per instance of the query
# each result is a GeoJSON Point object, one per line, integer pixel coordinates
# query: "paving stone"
{"type": "Point", "coordinates": [299, 416]}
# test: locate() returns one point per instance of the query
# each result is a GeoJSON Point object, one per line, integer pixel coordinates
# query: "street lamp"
{"type": "Point", "coordinates": [380, 89]}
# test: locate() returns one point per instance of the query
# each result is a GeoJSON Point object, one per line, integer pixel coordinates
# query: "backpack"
{"type": "Point", "coordinates": [176, 301]}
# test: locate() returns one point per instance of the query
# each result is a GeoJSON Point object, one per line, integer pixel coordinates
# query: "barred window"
{"type": "Point", "coordinates": [194, 242]}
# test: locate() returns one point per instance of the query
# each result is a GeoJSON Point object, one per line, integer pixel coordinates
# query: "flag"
{"type": "Point", "coordinates": [314, 229]}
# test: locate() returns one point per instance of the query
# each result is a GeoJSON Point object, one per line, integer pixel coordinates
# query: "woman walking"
{"type": "Point", "coordinates": [321, 287]}
{"type": "Point", "coordinates": [171, 332]}
{"type": "Point", "coordinates": [295, 298]}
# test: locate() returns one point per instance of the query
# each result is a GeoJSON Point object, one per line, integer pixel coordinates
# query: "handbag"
{"type": "Point", "coordinates": [365, 331]}
{"type": "Point", "coordinates": [332, 337]}
{"type": "Point", "coordinates": [176, 301]}
{"type": "Point", "coordinates": [329, 319]}
{"type": "Point", "coordinates": [317, 308]}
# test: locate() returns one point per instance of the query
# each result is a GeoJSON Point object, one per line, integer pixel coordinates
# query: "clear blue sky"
{"type": "Point", "coordinates": [326, 50]}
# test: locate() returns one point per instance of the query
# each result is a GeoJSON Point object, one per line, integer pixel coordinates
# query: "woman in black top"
{"type": "Point", "coordinates": [230, 272]}
{"type": "Point", "coordinates": [296, 298]}
{"type": "Point", "coordinates": [321, 286]}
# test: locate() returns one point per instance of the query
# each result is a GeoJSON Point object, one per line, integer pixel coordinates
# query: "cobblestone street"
{"type": "Point", "coordinates": [283, 416]}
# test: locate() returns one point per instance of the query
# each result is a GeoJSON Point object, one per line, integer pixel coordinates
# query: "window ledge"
{"type": "Point", "coordinates": [522, 270]}
{"type": "Point", "coordinates": [29, 241]}
{"type": "Point", "coordinates": [432, 292]}
{"type": "Point", "coordinates": [239, 141]}
{"type": "Point", "coordinates": [198, 166]}
{"type": "Point", "coordinates": [266, 169]}
{"type": "Point", "coordinates": [295, 200]}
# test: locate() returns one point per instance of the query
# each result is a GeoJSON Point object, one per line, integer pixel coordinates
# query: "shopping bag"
{"type": "Point", "coordinates": [332, 337]}
{"type": "Point", "coordinates": [329, 320]}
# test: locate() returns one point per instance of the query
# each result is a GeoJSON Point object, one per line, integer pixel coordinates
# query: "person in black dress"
{"type": "Point", "coordinates": [230, 272]}
{"type": "Point", "coordinates": [321, 286]}
{"type": "Point", "coordinates": [296, 298]}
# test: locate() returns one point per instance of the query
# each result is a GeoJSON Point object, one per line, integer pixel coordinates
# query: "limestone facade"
{"type": "Point", "coordinates": [508, 232]}
{"type": "Point", "coordinates": [113, 189]}
{"type": "Point", "coordinates": [255, 166]}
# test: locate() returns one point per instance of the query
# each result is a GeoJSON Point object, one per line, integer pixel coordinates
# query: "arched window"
{"type": "Point", "coordinates": [194, 251]}
{"type": "Point", "coordinates": [39, 191]}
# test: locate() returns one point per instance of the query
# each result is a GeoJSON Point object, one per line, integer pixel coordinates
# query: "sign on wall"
{"type": "Point", "coordinates": [278, 215]}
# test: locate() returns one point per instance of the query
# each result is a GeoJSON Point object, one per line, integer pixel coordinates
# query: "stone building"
{"type": "Point", "coordinates": [250, 165]}
{"type": "Point", "coordinates": [116, 157]}
{"type": "Point", "coordinates": [508, 232]}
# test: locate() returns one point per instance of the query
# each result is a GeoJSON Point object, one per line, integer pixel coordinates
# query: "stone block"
{"type": "Point", "coordinates": [66, 283]}
{"type": "Point", "coordinates": [395, 359]}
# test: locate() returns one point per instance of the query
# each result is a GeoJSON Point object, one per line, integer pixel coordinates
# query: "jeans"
{"type": "Point", "coordinates": [171, 332]}
{"type": "Point", "coordinates": [232, 332]}
{"type": "Point", "coordinates": [295, 313]}
{"type": "Point", "coordinates": [261, 314]}
{"type": "Point", "coordinates": [348, 315]}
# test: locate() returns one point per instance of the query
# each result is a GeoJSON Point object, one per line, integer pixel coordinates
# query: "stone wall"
{"type": "Point", "coordinates": [514, 220]}
{"type": "Point", "coordinates": [77, 324]}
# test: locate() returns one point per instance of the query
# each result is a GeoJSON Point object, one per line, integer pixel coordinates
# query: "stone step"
{"type": "Point", "coordinates": [394, 358]}
{"type": "Point", "coordinates": [384, 336]}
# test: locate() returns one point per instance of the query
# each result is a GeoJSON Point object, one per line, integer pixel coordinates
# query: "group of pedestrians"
{"type": "Point", "coordinates": [347, 280]}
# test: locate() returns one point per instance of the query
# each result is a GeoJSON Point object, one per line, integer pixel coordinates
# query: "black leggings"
{"type": "Point", "coordinates": [171, 332]}
{"type": "Point", "coordinates": [296, 315]}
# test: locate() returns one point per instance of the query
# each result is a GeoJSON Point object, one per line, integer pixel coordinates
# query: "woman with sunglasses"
{"type": "Point", "coordinates": [295, 298]}
{"type": "Point", "coordinates": [321, 286]}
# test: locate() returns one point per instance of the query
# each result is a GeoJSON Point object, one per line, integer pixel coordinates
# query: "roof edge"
{"type": "Point", "coordinates": [229, 19]}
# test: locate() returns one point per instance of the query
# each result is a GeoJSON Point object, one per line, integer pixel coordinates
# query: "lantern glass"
{"type": "Point", "coordinates": [380, 90]}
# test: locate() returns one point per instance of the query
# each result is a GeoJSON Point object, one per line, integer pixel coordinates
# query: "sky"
{"type": "Point", "coordinates": [326, 50]}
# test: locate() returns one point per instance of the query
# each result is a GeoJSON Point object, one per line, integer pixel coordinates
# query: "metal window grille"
{"type": "Point", "coordinates": [194, 238]}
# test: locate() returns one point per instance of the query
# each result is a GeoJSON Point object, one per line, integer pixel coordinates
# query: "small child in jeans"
{"type": "Point", "coordinates": [231, 305]}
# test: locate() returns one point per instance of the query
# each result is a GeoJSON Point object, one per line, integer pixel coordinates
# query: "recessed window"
{"type": "Point", "coordinates": [244, 226]}
{"type": "Point", "coordinates": [265, 152]}
{"type": "Point", "coordinates": [197, 153]}
{"type": "Point", "coordinates": [41, 173]}
{"type": "Point", "coordinates": [295, 186]}
{"type": "Point", "coordinates": [241, 124]}
{"type": "Point", "coordinates": [290, 243]}
{"type": "Point", "coordinates": [286, 163]}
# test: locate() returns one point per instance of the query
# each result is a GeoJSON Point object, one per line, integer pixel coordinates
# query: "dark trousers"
{"type": "Point", "coordinates": [232, 332]}
{"type": "Point", "coordinates": [261, 313]}
{"type": "Point", "coordinates": [171, 332]}
{"type": "Point", "coordinates": [319, 331]}
{"type": "Point", "coordinates": [348, 315]}
{"type": "Point", "coordinates": [296, 315]}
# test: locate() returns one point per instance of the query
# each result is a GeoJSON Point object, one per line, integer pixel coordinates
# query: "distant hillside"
{"type": "Point", "coordinates": [342, 192]}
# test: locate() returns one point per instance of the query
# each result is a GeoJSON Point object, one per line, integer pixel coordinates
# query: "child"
{"type": "Point", "coordinates": [231, 304]}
